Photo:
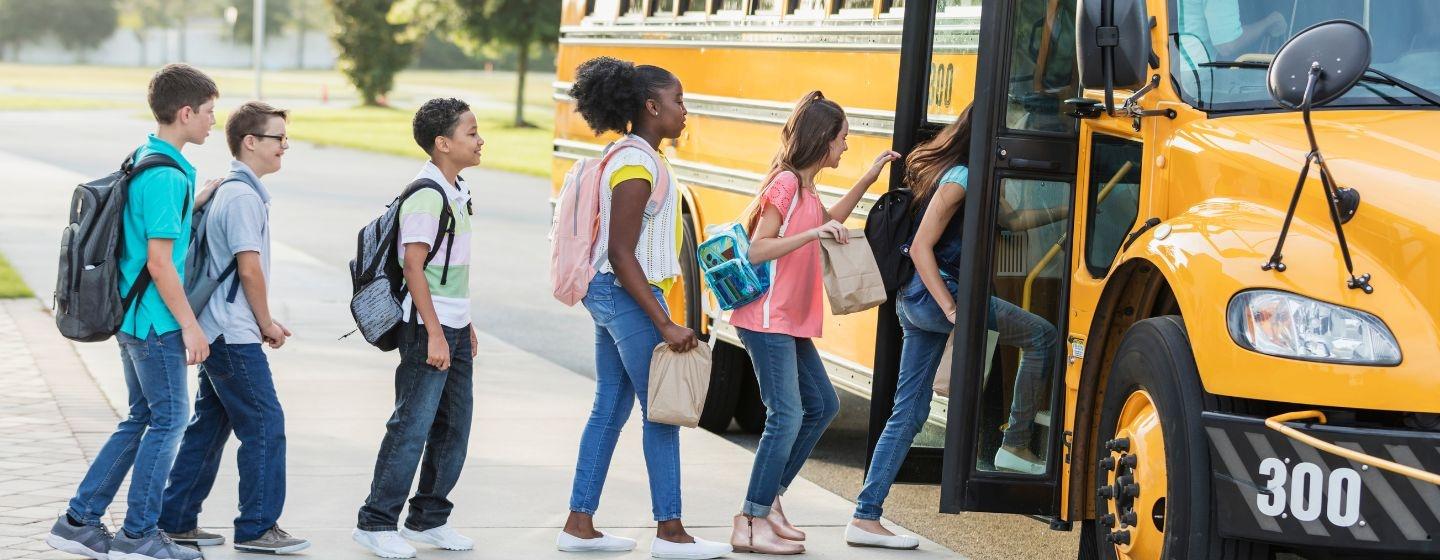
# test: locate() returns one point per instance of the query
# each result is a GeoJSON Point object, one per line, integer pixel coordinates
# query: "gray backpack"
{"type": "Point", "coordinates": [201, 281]}
{"type": "Point", "coordinates": [375, 273]}
{"type": "Point", "coordinates": [88, 303]}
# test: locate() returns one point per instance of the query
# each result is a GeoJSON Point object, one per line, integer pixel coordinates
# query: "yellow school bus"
{"type": "Point", "coordinates": [1246, 348]}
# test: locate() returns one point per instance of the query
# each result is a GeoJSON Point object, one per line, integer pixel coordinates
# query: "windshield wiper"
{"type": "Point", "coordinates": [1384, 78]}
{"type": "Point", "coordinates": [1375, 76]}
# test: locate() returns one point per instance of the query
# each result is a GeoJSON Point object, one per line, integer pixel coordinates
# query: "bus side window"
{"type": "Point", "coordinates": [1114, 199]}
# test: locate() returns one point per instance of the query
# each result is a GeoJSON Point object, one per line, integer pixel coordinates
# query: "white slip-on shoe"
{"type": "Point", "coordinates": [567, 542]}
{"type": "Point", "coordinates": [385, 544]}
{"type": "Point", "coordinates": [701, 549]}
{"type": "Point", "coordinates": [443, 537]}
{"type": "Point", "coordinates": [855, 536]}
{"type": "Point", "coordinates": [1007, 460]}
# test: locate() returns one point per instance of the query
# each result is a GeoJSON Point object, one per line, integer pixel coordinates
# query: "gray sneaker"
{"type": "Point", "coordinates": [158, 546]}
{"type": "Point", "coordinates": [274, 541]}
{"type": "Point", "coordinates": [198, 537]}
{"type": "Point", "coordinates": [90, 541]}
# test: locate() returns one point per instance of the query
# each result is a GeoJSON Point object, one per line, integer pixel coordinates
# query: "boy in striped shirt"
{"type": "Point", "coordinates": [433, 401]}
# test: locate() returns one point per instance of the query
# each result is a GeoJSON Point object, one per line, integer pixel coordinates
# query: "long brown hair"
{"type": "Point", "coordinates": [804, 140]}
{"type": "Point", "coordinates": [928, 162]}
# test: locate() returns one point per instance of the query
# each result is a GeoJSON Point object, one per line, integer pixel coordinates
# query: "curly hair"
{"type": "Point", "coordinates": [610, 93]}
{"type": "Point", "coordinates": [437, 117]}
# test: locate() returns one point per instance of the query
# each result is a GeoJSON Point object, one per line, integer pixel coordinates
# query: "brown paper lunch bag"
{"type": "Point", "coordinates": [678, 384]}
{"type": "Point", "coordinates": [942, 373]}
{"type": "Point", "coordinates": [852, 280]}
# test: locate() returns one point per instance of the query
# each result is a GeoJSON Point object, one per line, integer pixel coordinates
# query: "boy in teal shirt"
{"type": "Point", "coordinates": [158, 338]}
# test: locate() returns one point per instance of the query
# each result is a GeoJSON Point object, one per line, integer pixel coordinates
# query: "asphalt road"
{"type": "Point", "coordinates": [324, 195]}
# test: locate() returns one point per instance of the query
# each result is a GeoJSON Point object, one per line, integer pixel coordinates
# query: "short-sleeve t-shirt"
{"type": "Point", "coordinates": [794, 305]}
{"type": "Point", "coordinates": [155, 210]}
{"type": "Point", "coordinates": [947, 248]}
{"type": "Point", "coordinates": [237, 221]}
{"type": "Point", "coordinates": [420, 223]}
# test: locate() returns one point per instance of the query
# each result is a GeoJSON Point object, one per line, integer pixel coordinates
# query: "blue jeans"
{"type": "Point", "coordinates": [625, 338]}
{"type": "Point", "coordinates": [237, 393]}
{"type": "Point", "coordinates": [431, 418]}
{"type": "Point", "coordinates": [146, 439]}
{"type": "Point", "coordinates": [799, 402]}
{"type": "Point", "coordinates": [925, 331]}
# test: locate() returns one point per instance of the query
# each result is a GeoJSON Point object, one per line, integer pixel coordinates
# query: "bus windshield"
{"type": "Point", "coordinates": [1220, 49]}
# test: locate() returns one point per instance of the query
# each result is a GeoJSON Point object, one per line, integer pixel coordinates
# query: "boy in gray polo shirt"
{"type": "Point", "coordinates": [236, 388]}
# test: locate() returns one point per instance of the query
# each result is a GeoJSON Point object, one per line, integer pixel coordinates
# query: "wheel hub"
{"type": "Point", "coordinates": [1133, 521]}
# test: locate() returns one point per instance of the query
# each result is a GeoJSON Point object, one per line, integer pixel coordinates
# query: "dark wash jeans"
{"type": "Point", "coordinates": [432, 417]}
{"type": "Point", "coordinates": [236, 393]}
{"type": "Point", "coordinates": [146, 439]}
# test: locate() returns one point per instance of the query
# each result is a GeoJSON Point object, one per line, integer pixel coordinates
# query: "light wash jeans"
{"type": "Point", "coordinates": [625, 339]}
{"type": "Point", "coordinates": [147, 438]}
{"type": "Point", "coordinates": [799, 402]}
{"type": "Point", "coordinates": [926, 329]}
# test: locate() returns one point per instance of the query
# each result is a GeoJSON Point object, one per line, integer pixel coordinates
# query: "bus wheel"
{"type": "Point", "coordinates": [1153, 484]}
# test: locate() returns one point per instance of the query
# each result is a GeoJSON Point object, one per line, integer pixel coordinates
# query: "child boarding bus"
{"type": "Point", "coordinates": [1244, 364]}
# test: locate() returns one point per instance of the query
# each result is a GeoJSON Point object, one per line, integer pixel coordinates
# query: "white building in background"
{"type": "Point", "coordinates": [204, 42]}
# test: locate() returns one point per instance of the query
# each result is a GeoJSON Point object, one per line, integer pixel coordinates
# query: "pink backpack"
{"type": "Point", "coordinates": [576, 223]}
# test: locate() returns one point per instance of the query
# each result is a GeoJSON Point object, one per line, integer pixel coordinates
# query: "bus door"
{"type": "Point", "coordinates": [1004, 430]}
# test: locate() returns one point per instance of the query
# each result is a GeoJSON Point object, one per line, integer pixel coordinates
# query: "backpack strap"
{"type": "Point", "coordinates": [446, 229]}
{"type": "Point", "coordinates": [660, 188]}
{"type": "Point", "coordinates": [132, 170]}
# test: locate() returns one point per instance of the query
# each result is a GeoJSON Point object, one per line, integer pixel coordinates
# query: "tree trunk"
{"type": "Point", "coordinates": [521, 66]}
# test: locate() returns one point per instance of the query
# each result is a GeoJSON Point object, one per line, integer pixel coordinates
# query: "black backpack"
{"type": "Point", "coordinates": [377, 276]}
{"type": "Point", "coordinates": [890, 228]}
{"type": "Point", "coordinates": [88, 303]}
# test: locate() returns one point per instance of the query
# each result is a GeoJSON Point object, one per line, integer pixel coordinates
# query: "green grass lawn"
{"type": "Point", "coordinates": [377, 129]}
{"type": "Point", "coordinates": [42, 103]}
{"type": "Point", "coordinates": [10, 284]}
{"type": "Point", "coordinates": [338, 122]}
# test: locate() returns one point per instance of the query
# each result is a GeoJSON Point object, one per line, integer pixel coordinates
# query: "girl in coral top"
{"type": "Point", "coordinates": [778, 329]}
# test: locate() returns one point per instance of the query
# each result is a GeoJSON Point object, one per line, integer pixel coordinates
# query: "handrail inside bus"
{"type": "Point", "coordinates": [1277, 423]}
{"type": "Point", "coordinates": [1055, 249]}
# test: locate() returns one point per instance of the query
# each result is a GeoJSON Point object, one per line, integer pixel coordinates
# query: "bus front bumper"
{"type": "Point", "coordinates": [1272, 488]}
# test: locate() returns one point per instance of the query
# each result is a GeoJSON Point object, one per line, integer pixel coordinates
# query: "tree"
{"type": "Point", "coordinates": [522, 24]}
{"type": "Point", "coordinates": [303, 19]}
{"type": "Point", "coordinates": [140, 16]}
{"type": "Point", "coordinates": [21, 22]}
{"type": "Point", "coordinates": [372, 49]}
{"type": "Point", "coordinates": [277, 16]}
{"type": "Point", "coordinates": [82, 25]}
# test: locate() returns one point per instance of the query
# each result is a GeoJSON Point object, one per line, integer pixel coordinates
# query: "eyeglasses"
{"type": "Point", "coordinates": [284, 140]}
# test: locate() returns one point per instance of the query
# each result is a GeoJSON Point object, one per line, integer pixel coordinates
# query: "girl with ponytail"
{"type": "Point", "coordinates": [937, 173]}
{"type": "Point", "coordinates": [779, 329]}
{"type": "Point", "coordinates": [636, 256]}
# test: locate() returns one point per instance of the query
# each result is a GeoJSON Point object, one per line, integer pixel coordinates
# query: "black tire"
{"type": "Point", "coordinates": [1155, 356]}
{"type": "Point", "coordinates": [750, 410]}
{"type": "Point", "coordinates": [729, 367]}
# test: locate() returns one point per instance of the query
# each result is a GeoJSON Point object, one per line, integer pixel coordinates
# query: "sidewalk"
{"type": "Point", "coordinates": [511, 499]}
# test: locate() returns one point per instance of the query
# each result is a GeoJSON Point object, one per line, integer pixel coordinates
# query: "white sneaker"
{"type": "Point", "coordinates": [1006, 460]}
{"type": "Point", "coordinates": [855, 536]}
{"type": "Point", "coordinates": [385, 544]}
{"type": "Point", "coordinates": [701, 549]}
{"type": "Point", "coordinates": [567, 542]}
{"type": "Point", "coordinates": [442, 536]}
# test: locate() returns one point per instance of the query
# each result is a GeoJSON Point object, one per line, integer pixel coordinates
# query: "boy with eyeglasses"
{"type": "Point", "coordinates": [237, 391]}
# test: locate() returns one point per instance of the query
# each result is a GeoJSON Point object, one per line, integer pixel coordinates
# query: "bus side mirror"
{"type": "Point", "coordinates": [1113, 44]}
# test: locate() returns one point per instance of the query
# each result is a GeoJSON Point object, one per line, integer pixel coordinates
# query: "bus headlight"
{"type": "Point", "coordinates": [1291, 326]}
